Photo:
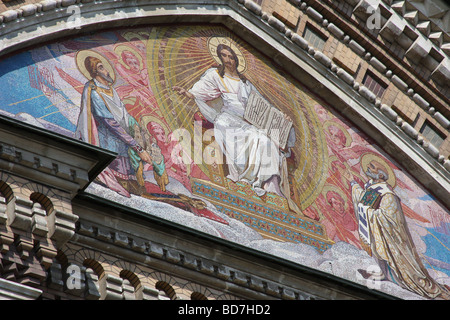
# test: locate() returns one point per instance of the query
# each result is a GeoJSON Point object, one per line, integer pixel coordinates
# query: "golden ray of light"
{"type": "Point", "coordinates": [187, 80]}
{"type": "Point", "coordinates": [192, 46]}
{"type": "Point", "coordinates": [57, 111]}
{"type": "Point", "coordinates": [69, 88]}
{"type": "Point", "coordinates": [437, 239]}
{"type": "Point", "coordinates": [58, 102]}
{"type": "Point", "coordinates": [29, 99]}
{"type": "Point", "coordinates": [182, 80]}
{"type": "Point", "coordinates": [190, 59]}
{"type": "Point", "coordinates": [270, 84]}
{"type": "Point", "coordinates": [187, 70]}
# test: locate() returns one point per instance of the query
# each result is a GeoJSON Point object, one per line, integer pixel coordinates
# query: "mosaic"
{"type": "Point", "coordinates": [209, 133]}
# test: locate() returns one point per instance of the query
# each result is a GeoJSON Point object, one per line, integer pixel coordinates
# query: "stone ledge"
{"type": "Point", "coordinates": [198, 258]}
{"type": "Point", "coordinates": [52, 159]}
{"type": "Point", "coordinates": [10, 290]}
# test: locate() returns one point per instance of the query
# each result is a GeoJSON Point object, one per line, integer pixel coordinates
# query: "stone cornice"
{"type": "Point", "coordinates": [148, 240]}
{"type": "Point", "coordinates": [15, 291]}
{"type": "Point", "coordinates": [49, 158]}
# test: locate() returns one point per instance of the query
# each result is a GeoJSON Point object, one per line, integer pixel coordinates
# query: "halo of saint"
{"type": "Point", "coordinates": [81, 58]}
{"type": "Point", "coordinates": [368, 157]}
{"type": "Point", "coordinates": [120, 49]}
{"type": "Point", "coordinates": [326, 127]}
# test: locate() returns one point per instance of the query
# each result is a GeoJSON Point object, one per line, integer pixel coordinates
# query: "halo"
{"type": "Point", "coordinates": [121, 48]}
{"type": "Point", "coordinates": [348, 138]}
{"type": "Point", "coordinates": [368, 157]}
{"type": "Point", "coordinates": [81, 57]}
{"type": "Point", "coordinates": [327, 188]}
{"type": "Point", "coordinates": [145, 120]}
{"type": "Point", "coordinates": [212, 44]}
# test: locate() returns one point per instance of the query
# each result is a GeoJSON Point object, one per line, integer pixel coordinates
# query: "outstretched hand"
{"type": "Point", "coordinates": [182, 91]}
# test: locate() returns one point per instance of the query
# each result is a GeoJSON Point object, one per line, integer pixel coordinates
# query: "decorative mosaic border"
{"type": "Point", "coordinates": [269, 221]}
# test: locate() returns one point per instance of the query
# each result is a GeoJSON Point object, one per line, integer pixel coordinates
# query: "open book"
{"type": "Point", "coordinates": [260, 113]}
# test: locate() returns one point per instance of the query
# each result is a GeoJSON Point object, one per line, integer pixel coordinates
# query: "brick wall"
{"type": "Point", "coordinates": [346, 58]}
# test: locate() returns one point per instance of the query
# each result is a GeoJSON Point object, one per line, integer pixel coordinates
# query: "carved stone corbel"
{"type": "Point", "coordinates": [61, 225]}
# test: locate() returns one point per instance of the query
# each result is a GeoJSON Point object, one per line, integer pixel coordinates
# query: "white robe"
{"type": "Point", "coordinates": [250, 154]}
{"type": "Point", "coordinates": [390, 242]}
{"type": "Point", "coordinates": [114, 104]}
{"type": "Point", "coordinates": [104, 101]}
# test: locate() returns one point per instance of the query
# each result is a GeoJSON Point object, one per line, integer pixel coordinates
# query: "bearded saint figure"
{"type": "Point", "coordinates": [105, 122]}
{"type": "Point", "coordinates": [384, 233]}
